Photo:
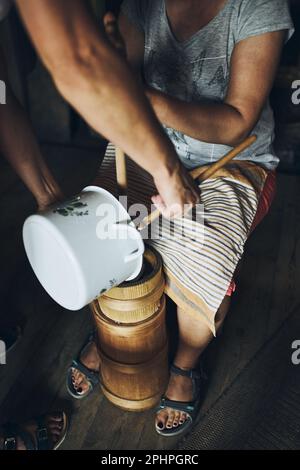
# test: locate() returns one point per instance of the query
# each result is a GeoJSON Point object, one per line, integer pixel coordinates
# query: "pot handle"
{"type": "Point", "coordinates": [136, 235]}
{"type": "Point", "coordinates": [141, 247]}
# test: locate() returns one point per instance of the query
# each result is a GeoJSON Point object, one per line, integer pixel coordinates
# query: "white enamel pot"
{"type": "Point", "coordinates": [83, 247]}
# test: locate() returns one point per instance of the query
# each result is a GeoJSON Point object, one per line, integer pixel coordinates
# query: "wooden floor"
{"type": "Point", "coordinates": [33, 381]}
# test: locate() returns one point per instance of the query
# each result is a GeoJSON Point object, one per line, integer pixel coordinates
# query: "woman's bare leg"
{"type": "Point", "coordinates": [194, 337]}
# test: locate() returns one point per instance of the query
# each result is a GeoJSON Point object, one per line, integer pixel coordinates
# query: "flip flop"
{"type": "Point", "coordinates": [191, 409]}
{"type": "Point", "coordinates": [41, 441]}
{"type": "Point", "coordinates": [92, 376]}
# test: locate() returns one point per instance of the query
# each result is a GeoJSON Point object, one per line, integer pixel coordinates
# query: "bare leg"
{"type": "Point", "coordinates": [194, 337]}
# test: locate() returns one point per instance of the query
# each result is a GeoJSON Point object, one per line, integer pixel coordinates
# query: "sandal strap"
{"type": "Point", "coordinates": [92, 376]}
{"type": "Point", "coordinates": [42, 435]}
{"type": "Point", "coordinates": [197, 377]}
{"type": "Point", "coordinates": [190, 373]}
{"type": "Point", "coordinates": [187, 407]}
{"type": "Point", "coordinates": [12, 432]}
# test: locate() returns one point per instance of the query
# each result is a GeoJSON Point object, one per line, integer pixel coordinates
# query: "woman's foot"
{"type": "Point", "coordinates": [55, 425]}
{"type": "Point", "coordinates": [179, 389]}
{"type": "Point", "coordinates": [91, 360]}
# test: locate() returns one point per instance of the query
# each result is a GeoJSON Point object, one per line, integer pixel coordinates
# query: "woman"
{"type": "Point", "coordinates": [208, 68]}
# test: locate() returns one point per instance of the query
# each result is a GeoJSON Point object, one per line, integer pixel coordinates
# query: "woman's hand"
{"type": "Point", "coordinates": [177, 192]}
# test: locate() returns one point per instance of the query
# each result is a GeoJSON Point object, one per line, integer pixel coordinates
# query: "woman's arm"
{"type": "Point", "coordinates": [19, 146]}
{"type": "Point", "coordinates": [253, 67]}
{"type": "Point", "coordinates": [134, 43]}
{"type": "Point", "coordinates": [98, 83]}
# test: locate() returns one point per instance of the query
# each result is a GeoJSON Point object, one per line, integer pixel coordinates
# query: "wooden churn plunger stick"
{"type": "Point", "coordinates": [121, 172]}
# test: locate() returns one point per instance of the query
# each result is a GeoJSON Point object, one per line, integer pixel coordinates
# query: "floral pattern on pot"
{"type": "Point", "coordinates": [112, 283]}
{"type": "Point", "coordinates": [73, 207]}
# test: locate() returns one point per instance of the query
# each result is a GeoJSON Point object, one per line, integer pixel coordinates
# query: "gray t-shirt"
{"type": "Point", "coordinates": [4, 8]}
{"type": "Point", "coordinates": [199, 68]}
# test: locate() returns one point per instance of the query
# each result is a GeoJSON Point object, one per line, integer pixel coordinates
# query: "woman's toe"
{"type": "Point", "coordinates": [75, 376]}
{"type": "Point", "coordinates": [55, 436]}
{"type": "Point", "coordinates": [182, 418]}
{"type": "Point", "coordinates": [78, 375]}
{"type": "Point", "coordinates": [80, 384]}
{"type": "Point", "coordinates": [57, 418]}
{"type": "Point", "coordinates": [55, 421]}
{"type": "Point", "coordinates": [83, 387]}
{"type": "Point", "coordinates": [170, 420]}
{"type": "Point", "coordinates": [176, 419]}
{"type": "Point", "coordinates": [161, 420]}
{"type": "Point", "coordinates": [55, 428]}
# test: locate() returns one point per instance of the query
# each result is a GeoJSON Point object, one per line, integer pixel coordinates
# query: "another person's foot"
{"type": "Point", "coordinates": [181, 400]}
{"type": "Point", "coordinates": [84, 373]}
{"type": "Point", "coordinates": [46, 433]}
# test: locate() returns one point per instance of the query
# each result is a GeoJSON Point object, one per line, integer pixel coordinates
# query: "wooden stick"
{"type": "Point", "coordinates": [121, 172]}
{"type": "Point", "coordinates": [198, 173]}
{"type": "Point", "coordinates": [202, 175]}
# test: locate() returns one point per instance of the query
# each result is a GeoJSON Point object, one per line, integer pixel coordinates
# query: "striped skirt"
{"type": "Point", "coordinates": [200, 252]}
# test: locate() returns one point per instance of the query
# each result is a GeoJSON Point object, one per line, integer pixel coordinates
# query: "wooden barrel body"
{"type": "Point", "coordinates": [132, 339]}
{"type": "Point", "coordinates": [135, 387]}
{"type": "Point", "coordinates": [132, 343]}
